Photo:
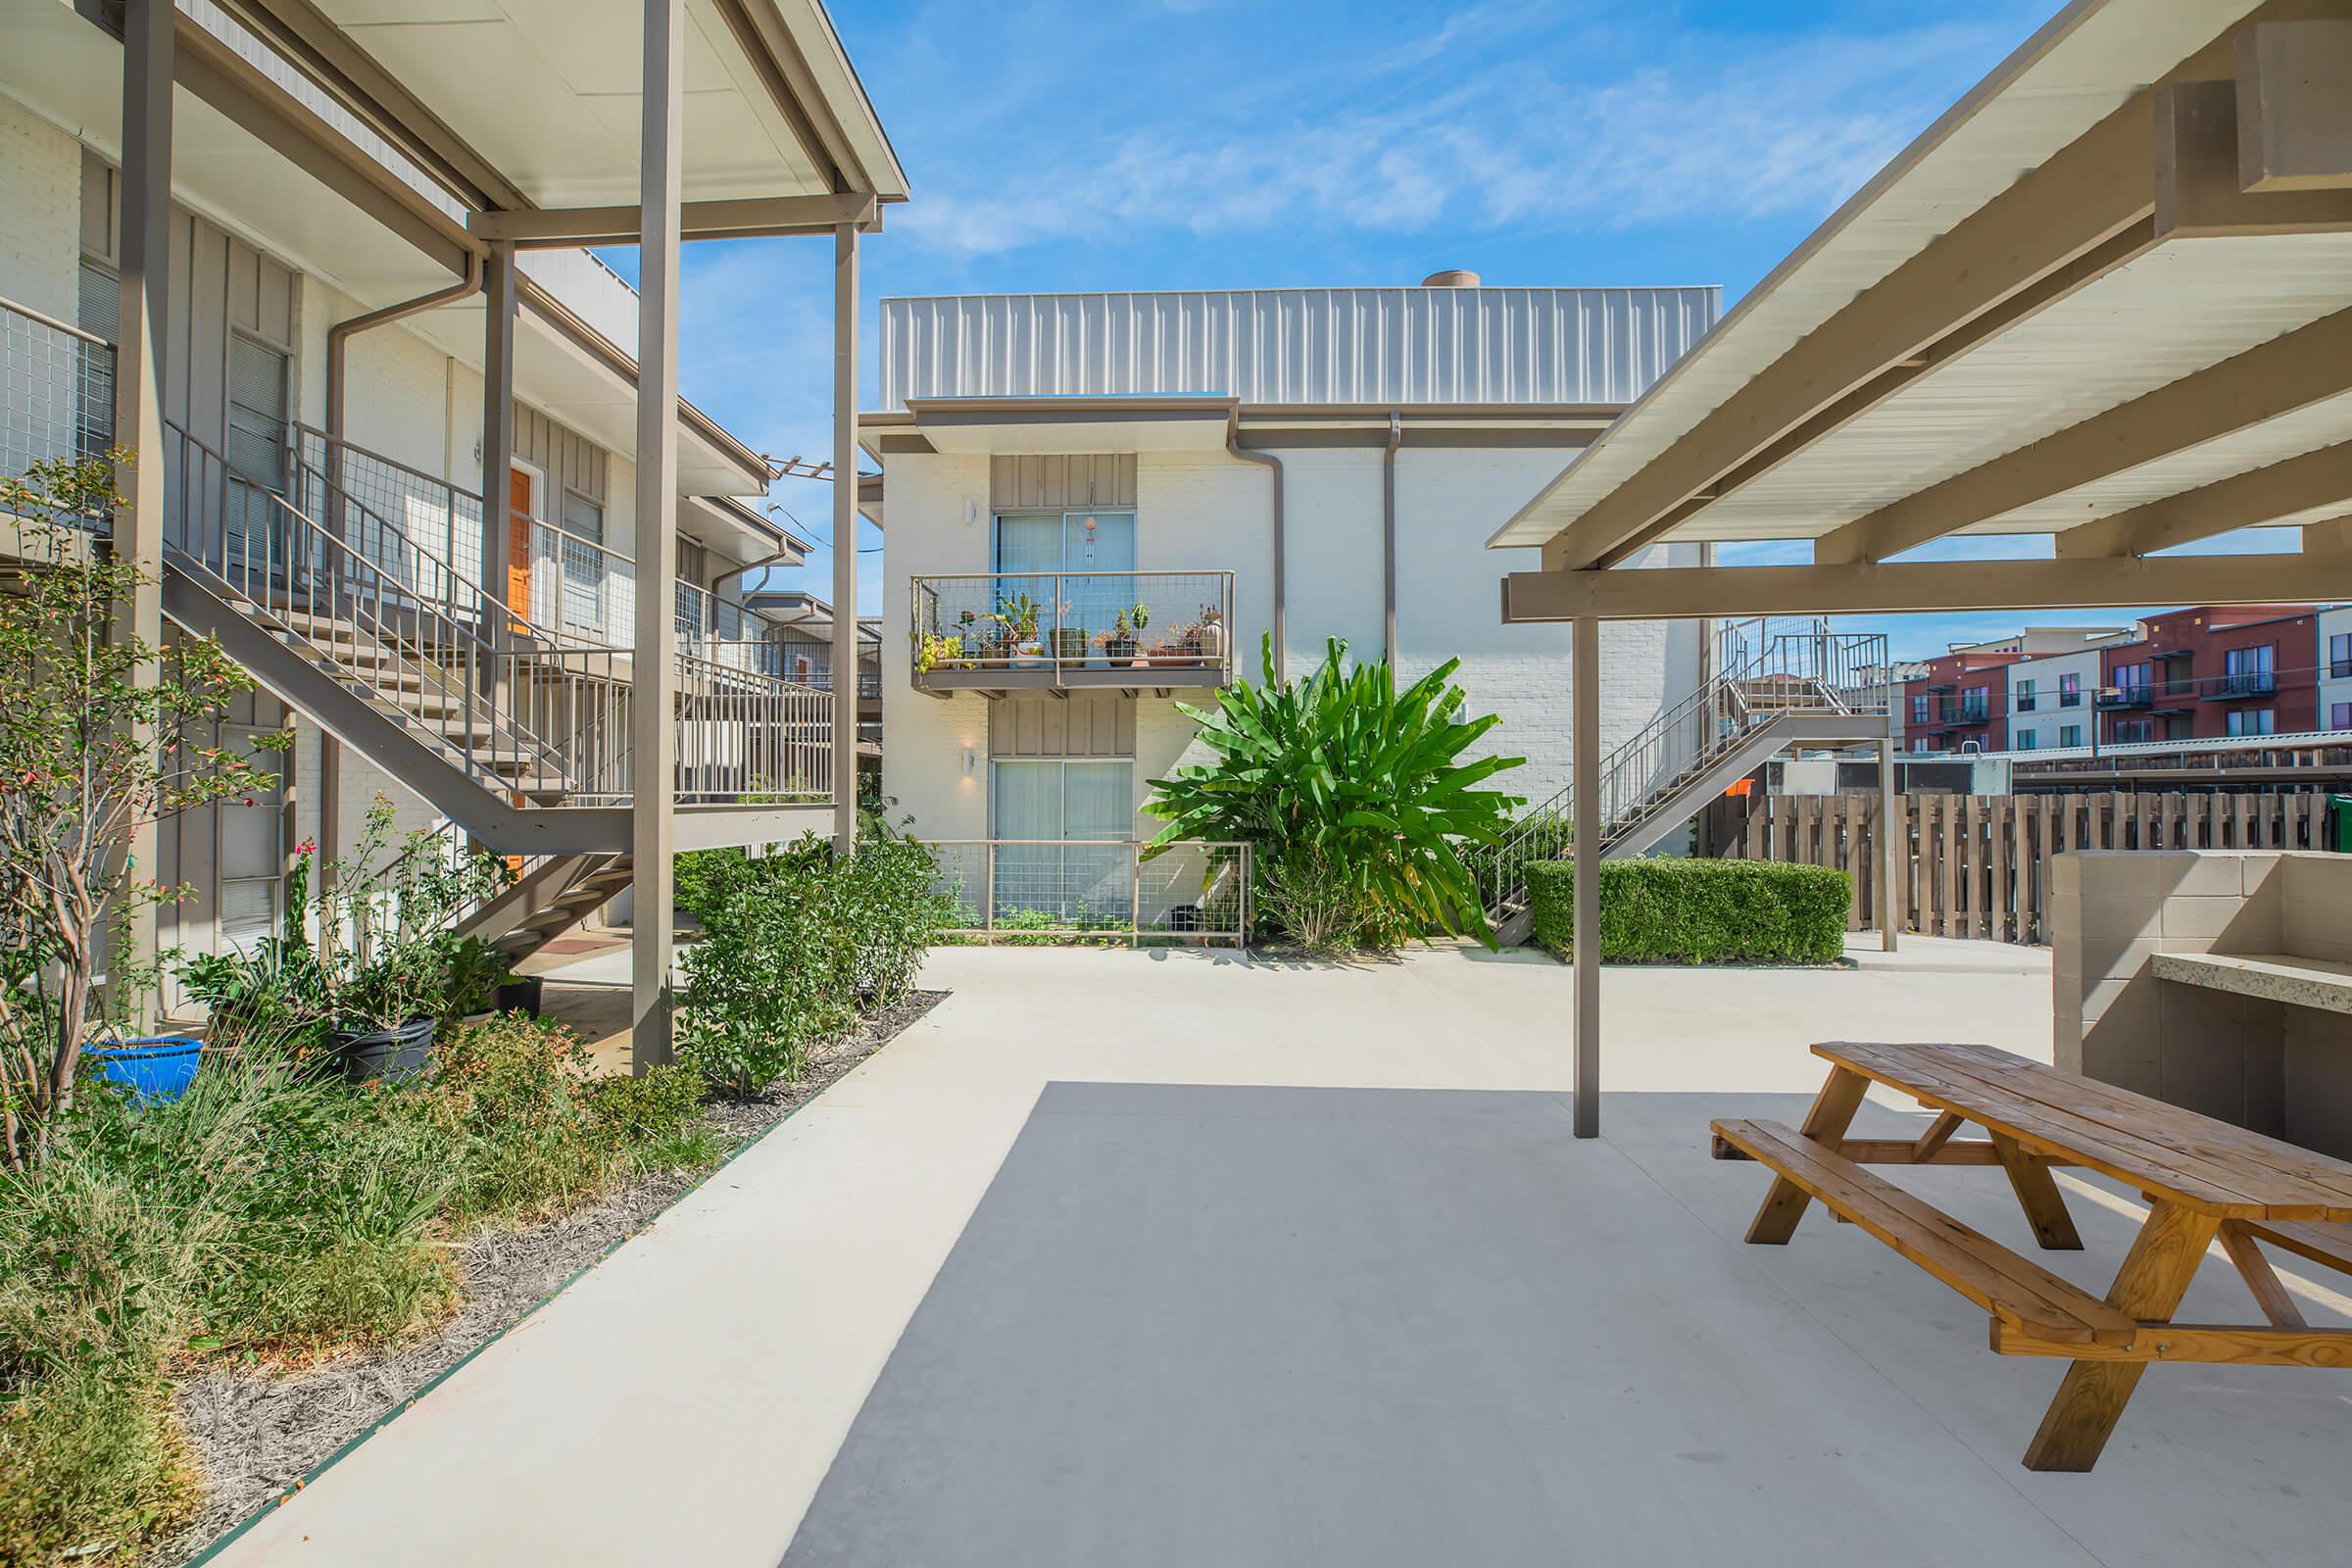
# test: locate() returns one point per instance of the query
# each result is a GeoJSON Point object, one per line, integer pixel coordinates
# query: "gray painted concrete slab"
{"type": "Point", "coordinates": [1238, 1325]}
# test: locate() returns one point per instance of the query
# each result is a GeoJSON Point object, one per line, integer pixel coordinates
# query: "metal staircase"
{"type": "Point", "coordinates": [1779, 683]}
{"type": "Point", "coordinates": [514, 732]}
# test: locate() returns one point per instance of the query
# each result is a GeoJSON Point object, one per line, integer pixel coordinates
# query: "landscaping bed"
{"type": "Point", "coordinates": [253, 1433]}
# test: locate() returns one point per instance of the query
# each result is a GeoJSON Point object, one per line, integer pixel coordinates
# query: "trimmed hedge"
{"type": "Point", "coordinates": [1698, 911]}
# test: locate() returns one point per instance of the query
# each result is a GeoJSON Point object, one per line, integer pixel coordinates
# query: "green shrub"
{"type": "Point", "coordinates": [802, 943]}
{"type": "Point", "coordinates": [702, 879]}
{"type": "Point", "coordinates": [1343, 782]}
{"type": "Point", "coordinates": [656, 1120]}
{"type": "Point", "coordinates": [1698, 911]}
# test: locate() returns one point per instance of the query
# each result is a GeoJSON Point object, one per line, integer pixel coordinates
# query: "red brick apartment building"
{"type": "Point", "coordinates": [1962, 701]}
{"type": "Point", "coordinates": [2205, 672]}
{"type": "Point", "coordinates": [2213, 670]}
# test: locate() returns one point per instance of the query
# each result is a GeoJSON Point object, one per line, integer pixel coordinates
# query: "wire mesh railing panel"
{"type": "Point", "coordinates": [1073, 620]}
{"type": "Point", "coordinates": [56, 391]}
{"type": "Point", "coordinates": [1199, 891]}
{"type": "Point", "coordinates": [399, 515]}
{"type": "Point", "coordinates": [1009, 888]}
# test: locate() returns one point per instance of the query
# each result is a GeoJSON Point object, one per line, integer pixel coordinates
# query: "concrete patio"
{"type": "Point", "coordinates": [1172, 1257]}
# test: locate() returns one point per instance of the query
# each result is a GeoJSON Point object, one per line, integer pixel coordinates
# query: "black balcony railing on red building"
{"type": "Point", "coordinates": [2238, 685]}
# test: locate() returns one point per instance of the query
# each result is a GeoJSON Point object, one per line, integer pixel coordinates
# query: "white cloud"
{"type": "Point", "coordinates": [1431, 133]}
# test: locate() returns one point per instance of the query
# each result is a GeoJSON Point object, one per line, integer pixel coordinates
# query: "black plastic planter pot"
{"type": "Point", "coordinates": [522, 993]}
{"type": "Point", "coordinates": [402, 1053]}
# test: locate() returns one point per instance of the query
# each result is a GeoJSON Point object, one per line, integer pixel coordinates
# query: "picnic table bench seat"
{"type": "Point", "coordinates": [2207, 1182]}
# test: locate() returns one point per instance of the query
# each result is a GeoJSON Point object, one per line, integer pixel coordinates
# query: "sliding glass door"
{"type": "Point", "coordinates": [1061, 883]}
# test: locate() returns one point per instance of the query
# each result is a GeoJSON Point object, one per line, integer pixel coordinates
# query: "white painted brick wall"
{"type": "Point", "coordinates": [1206, 510]}
{"type": "Point", "coordinates": [41, 194]}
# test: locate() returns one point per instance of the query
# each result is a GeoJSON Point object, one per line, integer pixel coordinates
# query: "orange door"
{"type": "Point", "coordinates": [518, 542]}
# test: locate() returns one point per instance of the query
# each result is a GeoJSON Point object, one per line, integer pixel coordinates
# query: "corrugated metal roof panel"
{"type": "Point", "coordinates": [1296, 346]}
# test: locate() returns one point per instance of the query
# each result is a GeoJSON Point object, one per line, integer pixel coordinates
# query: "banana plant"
{"type": "Point", "coordinates": [1346, 777]}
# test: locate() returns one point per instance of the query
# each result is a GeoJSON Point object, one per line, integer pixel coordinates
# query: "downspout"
{"type": "Point", "coordinates": [338, 339]}
{"type": "Point", "coordinates": [1232, 445]}
{"type": "Point", "coordinates": [1388, 529]}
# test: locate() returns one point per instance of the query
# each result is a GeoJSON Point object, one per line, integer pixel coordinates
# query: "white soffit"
{"type": "Point", "coordinates": [2168, 314]}
{"type": "Point", "coordinates": [2083, 65]}
{"type": "Point", "coordinates": [548, 92]}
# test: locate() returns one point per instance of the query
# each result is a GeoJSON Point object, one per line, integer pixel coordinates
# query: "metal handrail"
{"type": "Point", "coordinates": [283, 559]}
{"type": "Point", "coordinates": [1053, 619]}
{"type": "Point", "coordinates": [1768, 670]}
{"type": "Point", "coordinates": [44, 318]}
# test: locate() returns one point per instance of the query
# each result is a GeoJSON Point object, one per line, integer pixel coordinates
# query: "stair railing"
{"type": "Point", "coordinates": [416, 637]}
{"type": "Point", "coordinates": [1767, 668]}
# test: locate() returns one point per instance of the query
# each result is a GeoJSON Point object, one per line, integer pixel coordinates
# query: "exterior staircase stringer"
{"type": "Point", "coordinates": [319, 692]}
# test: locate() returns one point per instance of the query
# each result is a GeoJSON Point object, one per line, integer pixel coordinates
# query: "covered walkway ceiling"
{"type": "Point", "coordinates": [2108, 296]}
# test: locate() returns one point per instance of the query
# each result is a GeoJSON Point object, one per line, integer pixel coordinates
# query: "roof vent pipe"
{"type": "Point", "coordinates": [1452, 277]}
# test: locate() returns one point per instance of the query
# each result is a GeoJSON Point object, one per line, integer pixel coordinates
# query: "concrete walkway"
{"type": "Point", "coordinates": [1009, 1294]}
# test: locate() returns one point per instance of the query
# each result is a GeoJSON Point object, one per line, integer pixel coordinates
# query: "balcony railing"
{"type": "Point", "coordinates": [2025, 702]}
{"type": "Point", "coordinates": [57, 390]}
{"type": "Point", "coordinates": [2139, 695]}
{"type": "Point", "coordinates": [1121, 629]}
{"type": "Point", "coordinates": [2236, 684]}
{"type": "Point", "coordinates": [2339, 669]}
{"type": "Point", "coordinates": [1058, 889]}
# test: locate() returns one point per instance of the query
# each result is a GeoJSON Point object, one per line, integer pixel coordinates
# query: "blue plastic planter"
{"type": "Point", "coordinates": [157, 1068]}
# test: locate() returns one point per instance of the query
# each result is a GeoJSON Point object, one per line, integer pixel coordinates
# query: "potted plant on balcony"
{"type": "Point", "coordinates": [1118, 643]}
{"type": "Point", "coordinates": [1138, 616]}
{"type": "Point", "coordinates": [1064, 642]}
{"type": "Point", "coordinates": [1183, 645]}
{"type": "Point", "coordinates": [1212, 641]}
{"type": "Point", "coordinates": [937, 653]}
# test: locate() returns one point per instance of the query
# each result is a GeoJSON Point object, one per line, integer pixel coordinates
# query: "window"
{"type": "Point", "coordinates": [1922, 743]}
{"type": "Point", "coordinates": [2070, 734]}
{"type": "Point", "coordinates": [2254, 722]}
{"type": "Point", "coordinates": [1095, 551]}
{"type": "Point", "coordinates": [583, 561]}
{"type": "Point", "coordinates": [257, 447]}
{"type": "Point", "coordinates": [2024, 697]}
{"type": "Point", "coordinates": [2025, 740]}
{"type": "Point", "coordinates": [2132, 683]}
{"type": "Point", "coordinates": [1976, 704]}
{"type": "Point", "coordinates": [1919, 709]}
{"type": "Point", "coordinates": [2070, 690]}
{"type": "Point", "coordinates": [2339, 656]}
{"type": "Point", "coordinates": [101, 311]}
{"type": "Point", "coordinates": [1062, 800]}
{"type": "Point", "coordinates": [2128, 730]}
{"type": "Point", "coordinates": [2340, 715]}
{"type": "Point", "coordinates": [2248, 672]}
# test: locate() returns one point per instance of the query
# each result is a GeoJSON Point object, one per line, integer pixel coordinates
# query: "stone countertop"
{"type": "Point", "coordinates": [2272, 976]}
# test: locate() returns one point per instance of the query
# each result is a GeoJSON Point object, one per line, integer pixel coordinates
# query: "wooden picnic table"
{"type": "Point", "coordinates": [2204, 1181]}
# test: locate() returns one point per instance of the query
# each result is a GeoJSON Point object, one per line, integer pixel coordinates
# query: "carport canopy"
{"type": "Point", "coordinates": [2106, 297]}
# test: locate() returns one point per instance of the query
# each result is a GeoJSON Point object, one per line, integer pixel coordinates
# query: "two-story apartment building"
{"type": "Point", "coordinates": [1961, 703]}
{"type": "Point", "coordinates": [397, 456]}
{"type": "Point", "coordinates": [1099, 506]}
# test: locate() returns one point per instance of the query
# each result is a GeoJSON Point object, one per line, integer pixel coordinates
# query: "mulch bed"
{"type": "Point", "coordinates": [255, 1434]}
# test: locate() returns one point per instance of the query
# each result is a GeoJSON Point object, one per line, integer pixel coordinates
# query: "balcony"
{"type": "Point", "coordinates": [1123, 631]}
{"type": "Point", "coordinates": [2025, 702]}
{"type": "Point", "coordinates": [2126, 697]}
{"type": "Point", "coordinates": [56, 391]}
{"type": "Point", "coordinates": [2237, 686]}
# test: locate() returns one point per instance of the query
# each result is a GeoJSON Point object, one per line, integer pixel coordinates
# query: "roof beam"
{"type": "Point", "coordinates": [2295, 79]}
{"type": "Point", "coordinates": [225, 79]}
{"type": "Point", "coordinates": [2249, 500]}
{"type": "Point", "coordinates": [2090, 204]}
{"type": "Point", "coordinates": [2290, 372]}
{"type": "Point", "coordinates": [2198, 189]}
{"type": "Point", "coordinates": [1678, 593]}
{"type": "Point", "coordinates": [305, 35]}
{"type": "Point", "coordinates": [745, 217]}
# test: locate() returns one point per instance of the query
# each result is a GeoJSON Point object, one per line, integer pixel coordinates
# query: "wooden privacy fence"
{"type": "Point", "coordinates": [1979, 866]}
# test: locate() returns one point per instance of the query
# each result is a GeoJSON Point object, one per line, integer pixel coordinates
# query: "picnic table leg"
{"type": "Point", "coordinates": [2038, 1195]}
{"type": "Point", "coordinates": [1831, 1115]}
{"type": "Point", "coordinates": [2090, 1399]}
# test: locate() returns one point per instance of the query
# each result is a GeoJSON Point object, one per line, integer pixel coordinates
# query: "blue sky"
{"type": "Point", "coordinates": [1078, 144]}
